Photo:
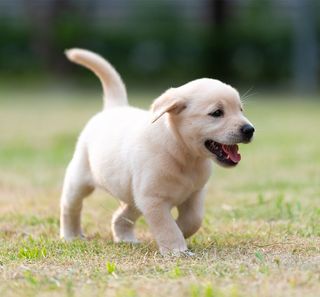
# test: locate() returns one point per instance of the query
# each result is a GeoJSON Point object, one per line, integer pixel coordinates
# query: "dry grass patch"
{"type": "Point", "coordinates": [260, 237]}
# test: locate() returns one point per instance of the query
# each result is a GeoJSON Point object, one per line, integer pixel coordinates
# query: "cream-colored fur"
{"type": "Point", "coordinates": [151, 160]}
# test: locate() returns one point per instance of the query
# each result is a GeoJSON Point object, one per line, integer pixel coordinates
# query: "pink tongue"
{"type": "Point", "coordinates": [232, 152]}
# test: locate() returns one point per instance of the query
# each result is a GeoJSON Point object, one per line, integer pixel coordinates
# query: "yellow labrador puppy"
{"type": "Point", "coordinates": [153, 160]}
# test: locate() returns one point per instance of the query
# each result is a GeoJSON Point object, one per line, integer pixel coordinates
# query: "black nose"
{"type": "Point", "coordinates": [247, 131]}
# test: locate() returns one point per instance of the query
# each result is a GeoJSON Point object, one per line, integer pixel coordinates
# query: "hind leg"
{"type": "Point", "coordinates": [77, 185]}
{"type": "Point", "coordinates": [123, 223]}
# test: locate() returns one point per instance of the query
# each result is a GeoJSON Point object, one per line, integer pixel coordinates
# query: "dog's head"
{"type": "Point", "coordinates": [208, 117]}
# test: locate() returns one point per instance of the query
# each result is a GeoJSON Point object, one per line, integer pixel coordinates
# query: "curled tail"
{"type": "Point", "coordinates": [114, 90]}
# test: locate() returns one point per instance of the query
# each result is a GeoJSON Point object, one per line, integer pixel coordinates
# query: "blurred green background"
{"type": "Point", "coordinates": [261, 44]}
{"type": "Point", "coordinates": [261, 233]}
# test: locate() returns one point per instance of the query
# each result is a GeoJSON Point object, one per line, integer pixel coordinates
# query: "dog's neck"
{"type": "Point", "coordinates": [177, 147]}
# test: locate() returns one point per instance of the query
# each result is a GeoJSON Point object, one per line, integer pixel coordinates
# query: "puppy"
{"type": "Point", "coordinates": [153, 160]}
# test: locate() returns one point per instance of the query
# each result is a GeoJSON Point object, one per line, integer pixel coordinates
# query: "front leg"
{"type": "Point", "coordinates": [191, 214]}
{"type": "Point", "coordinates": [163, 227]}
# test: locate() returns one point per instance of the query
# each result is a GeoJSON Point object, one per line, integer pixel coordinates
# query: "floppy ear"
{"type": "Point", "coordinates": [167, 102]}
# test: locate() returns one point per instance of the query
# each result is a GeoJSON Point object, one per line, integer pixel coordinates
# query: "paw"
{"type": "Point", "coordinates": [176, 253]}
{"type": "Point", "coordinates": [71, 237]}
{"type": "Point", "coordinates": [188, 253]}
{"type": "Point", "coordinates": [131, 241]}
{"type": "Point", "coordinates": [126, 239]}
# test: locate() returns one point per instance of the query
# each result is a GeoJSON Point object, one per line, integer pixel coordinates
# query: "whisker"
{"type": "Point", "coordinates": [247, 92]}
{"type": "Point", "coordinates": [249, 95]}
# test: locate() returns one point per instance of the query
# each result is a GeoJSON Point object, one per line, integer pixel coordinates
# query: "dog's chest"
{"type": "Point", "coordinates": [190, 180]}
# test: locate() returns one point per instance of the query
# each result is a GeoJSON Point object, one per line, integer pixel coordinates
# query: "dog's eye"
{"type": "Point", "coordinates": [216, 114]}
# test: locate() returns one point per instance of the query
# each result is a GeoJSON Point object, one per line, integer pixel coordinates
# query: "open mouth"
{"type": "Point", "coordinates": [226, 154]}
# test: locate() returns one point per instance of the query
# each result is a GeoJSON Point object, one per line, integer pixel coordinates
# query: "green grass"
{"type": "Point", "coordinates": [260, 236]}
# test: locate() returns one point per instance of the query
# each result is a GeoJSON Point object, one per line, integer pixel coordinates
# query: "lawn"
{"type": "Point", "coordinates": [260, 236]}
